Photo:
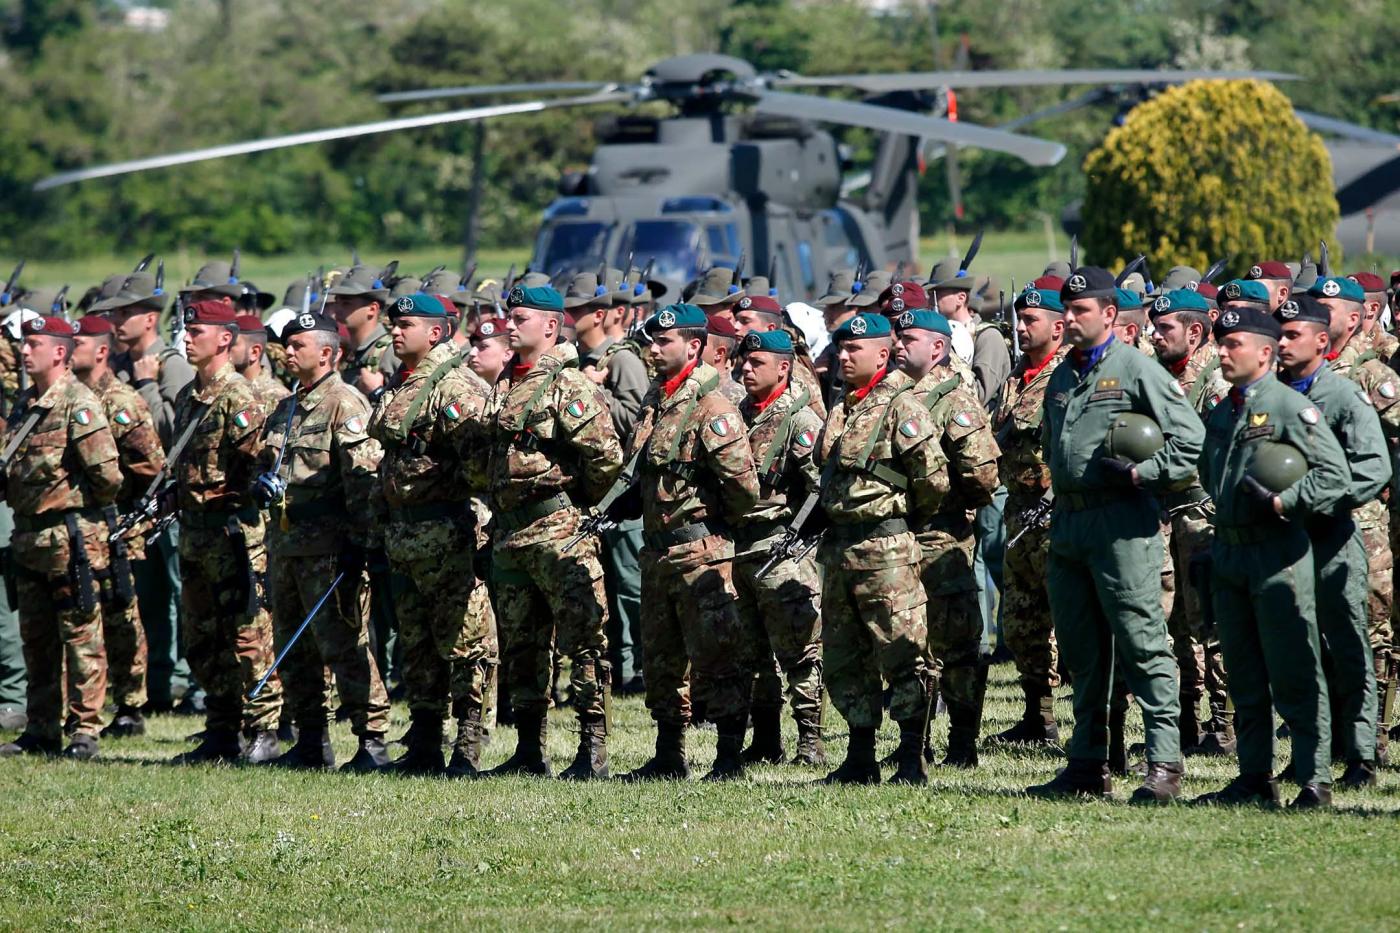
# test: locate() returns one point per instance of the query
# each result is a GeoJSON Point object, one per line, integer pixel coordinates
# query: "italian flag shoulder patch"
{"type": "Point", "coordinates": [241, 419]}
{"type": "Point", "coordinates": [453, 412]}
{"type": "Point", "coordinates": [575, 409]}
{"type": "Point", "coordinates": [806, 439]}
{"type": "Point", "coordinates": [83, 417]}
{"type": "Point", "coordinates": [909, 428]}
{"type": "Point", "coordinates": [122, 418]}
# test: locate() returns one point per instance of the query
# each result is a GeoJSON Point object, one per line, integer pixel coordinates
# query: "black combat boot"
{"type": "Point", "coordinates": [811, 750]}
{"type": "Point", "coordinates": [1189, 726]}
{"type": "Point", "coordinates": [767, 742]}
{"type": "Point", "coordinates": [1037, 727]}
{"type": "Point", "coordinates": [591, 761]}
{"type": "Point", "coordinates": [30, 744]}
{"type": "Point", "coordinates": [127, 722]}
{"type": "Point", "coordinates": [263, 748]}
{"type": "Point", "coordinates": [860, 766]}
{"type": "Point", "coordinates": [532, 729]}
{"type": "Point", "coordinates": [312, 751]}
{"type": "Point", "coordinates": [81, 748]}
{"type": "Point", "coordinates": [729, 759]}
{"type": "Point", "coordinates": [965, 717]}
{"type": "Point", "coordinates": [1313, 797]}
{"type": "Point", "coordinates": [668, 764]}
{"type": "Point", "coordinates": [422, 748]}
{"type": "Point", "coordinates": [466, 748]}
{"type": "Point", "coordinates": [1246, 790]}
{"type": "Point", "coordinates": [1162, 783]}
{"type": "Point", "coordinates": [1357, 775]}
{"type": "Point", "coordinates": [372, 755]}
{"type": "Point", "coordinates": [911, 766]}
{"type": "Point", "coordinates": [217, 746]}
{"type": "Point", "coordinates": [1082, 777]}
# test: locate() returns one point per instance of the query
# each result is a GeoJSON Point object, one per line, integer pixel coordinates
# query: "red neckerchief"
{"type": "Point", "coordinates": [1179, 367]}
{"type": "Point", "coordinates": [1332, 357]}
{"type": "Point", "coordinates": [1031, 372]}
{"type": "Point", "coordinates": [758, 408]}
{"type": "Point", "coordinates": [671, 385]}
{"type": "Point", "coordinates": [864, 390]}
{"type": "Point", "coordinates": [519, 370]}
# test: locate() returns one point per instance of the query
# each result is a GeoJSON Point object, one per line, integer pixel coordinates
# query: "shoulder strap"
{"type": "Point", "coordinates": [1369, 355]}
{"type": "Point", "coordinates": [784, 435]}
{"type": "Point", "coordinates": [534, 400]}
{"type": "Point", "coordinates": [940, 390]}
{"type": "Point", "coordinates": [880, 470]}
{"type": "Point", "coordinates": [429, 381]}
{"type": "Point", "coordinates": [705, 388]}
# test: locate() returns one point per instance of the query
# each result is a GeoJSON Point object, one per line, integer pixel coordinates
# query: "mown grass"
{"type": "Point", "coordinates": [131, 842]}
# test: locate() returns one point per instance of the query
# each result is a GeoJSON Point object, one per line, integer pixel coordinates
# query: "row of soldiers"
{"type": "Point", "coordinates": [522, 449]}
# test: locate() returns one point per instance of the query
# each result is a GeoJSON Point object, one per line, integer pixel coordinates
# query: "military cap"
{"type": "Point", "coordinates": [863, 326]}
{"type": "Point", "coordinates": [488, 292]}
{"type": "Point", "coordinates": [1089, 282]}
{"type": "Point", "coordinates": [868, 292]}
{"type": "Point", "coordinates": [635, 291]}
{"type": "Point", "coordinates": [610, 290]}
{"type": "Point", "coordinates": [406, 285]}
{"type": "Point", "coordinates": [210, 311]}
{"type": "Point", "coordinates": [716, 287]}
{"type": "Point", "coordinates": [923, 319]}
{"type": "Point", "coordinates": [759, 285]}
{"type": "Point", "coordinates": [839, 288]}
{"type": "Point", "coordinates": [109, 289]}
{"type": "Point", "coordinates": [763, 303]}
{"type": "Point", "coordinates": [442, 282]}
{"type": "Point", "coordinates": [950, 274]}
{"type": "Point", "coordinates": [1058, 269]}
{"type": "Point", "coordinates": [94, 325]}
{"type": "Point", "coordinates": [418, 304]}
{"type": "Point", "coordinates": [1180, 277]}
{"type": "Point", "coordinates": [721, 326]}
{"type": "Point", "coordinates": [1178, 299]}
{"type": "Point", "coordinates": [903, 296]}
{"type": "Point", "coordinates": [1247, 291]}
{"type": "Point", "coordinates": [1334, 286]}
{"type": "Point", "coordinates": [49, 326]}
{"type": "Point", "coordinates": [296, 294]}
{"type": "Point", "coordinates": [1269, 269]}
{"type": "Point", "coordinates": [1247, 321]}
{"type": "Point", "coordinates": [1306, 277]}
{"type": "Point", "coordinates": [362, 282]}
{"type": "Point", "coordinates": [277, 321]}
{"type": "Point", "coordinates": [1052, 283]}
{"type": "Point", "coordinates": [44, 302]}
{"type": "Point", "coordinates": [1034, 296]}
{"type": "Point", "coordinates": [1134, 282]}
{"type": "Point", "coordinates": [538, 297]}
{"type": "Point", "coordinates": [585, 289]}
{"type": "Point", "coordinates": [675, 316]}
{"type": "Point", "coordinates": [138, 288]}
{"type": "Point", "coordinates": [1304, 307]}
{"type": "Point", "coordinates": [487, 328]}
{"type": "Point", "coordinates": [1369, 281]}
{"type": "Point", "coordinates": [1209, 292]}
{"type": "Point", "coordinates": [14, 322]}
{"type": "Point", "coordinates": [771, 341]}
{"type": "Point", "coordinates": [216, 277]}
{"type": "Point", "coordinates": [250, 296]}
{"type": "Point", "coordinates": [1127, 300]}
{"type": "Point", "coordinates": [307, 321]}
{"type": "Point", "coordinates": [249, 324]}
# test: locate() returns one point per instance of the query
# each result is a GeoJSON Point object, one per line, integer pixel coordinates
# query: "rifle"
{"type": "Point", "coordinates": [1036, 517]}
{"type": "Point", "coordinates": [148, 506]}
{"type": "Point", "coordinates": [598, 521]}
{"type": "Point", "coordinates": [791, 544]}
{"type": "Point", "coordinates": [31, 420]}
{"type": "Point", "coordinates": [736, 281]}
{"type": "Point", "coordinates": [1016, 351]}
{"type": "Point", "coordinates": [8, 295]}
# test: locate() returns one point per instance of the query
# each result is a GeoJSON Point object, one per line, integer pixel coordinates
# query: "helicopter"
{"type": "Point", "coordinates": [740, 166]}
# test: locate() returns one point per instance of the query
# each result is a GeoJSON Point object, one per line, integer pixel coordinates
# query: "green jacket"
{"type": "Point", "coordinates": [1080, 409]}
{"type": "Point", "coordinates": [1348, 411]}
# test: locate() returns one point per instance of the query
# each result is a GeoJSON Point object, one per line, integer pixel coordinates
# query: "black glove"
{"type": "Point", "coordinates": [1117, 472]}
{"type": "Point", "coordinates": [268, 489]}
{"type": "Point", "coordinates": [351, 561]}
{"type": "Point", "coordinates": [1257, 491]}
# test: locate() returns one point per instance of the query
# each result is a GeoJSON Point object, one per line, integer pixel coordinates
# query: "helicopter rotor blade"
{"type": "Point", "coordinates": [933, 80]}
{"type": "Point", "coordinates": [318, 136]}
{"type": "Point", "coordinates": [888, 119]}
{"type": "Point", "coordinates": [1087, 99]}
{"type": "Point", "coordinates": [1325, 124]}
{"type": "Point", "coordinates": [486, 90]}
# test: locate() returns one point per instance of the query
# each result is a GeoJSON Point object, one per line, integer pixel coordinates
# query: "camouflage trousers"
{"type": "Point", "coordinates": [1025, 613]}
{"type": "Point", "coordinates": [1194, 639]}
{"type": "Point", "coordinates": [549, 599]}
{"type": "Point", "coordinates": [691, 626]}
{"type": "Point", "coordinates": [226, 626]}
{"type": "Point", "coordinates": [954, 622]}
{"type": "Point", "coordinates": [1374, 520]}
{"type": "Point", "coordinates": [782, 618]}
{"type": "Point", "coordinates": [61, 628]}
{"type": "Point", "coordinates": [875, 630]}
{"type": "Point", "coordinates": [335, 643]}
{"type": "Point", "coordinates": [127, 655]}
{"type": "Point", "coordinates": [447, 638]}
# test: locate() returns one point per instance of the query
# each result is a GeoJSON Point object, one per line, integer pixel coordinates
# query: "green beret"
{"type": "Point", "coordinates": [923, 320]}
{"type": "Point", "coordinates": [674, 316]}
{"type": "Point", "coordinates": [417, 305]}
{"type": "Point", "coordinates": [539, 297]}
{"type": "Point", "coordinates": [1334, 286]}
{"type": "Point", "coordinates": [1179, 299]}
{"type": "Point", "coordinates": [772, 341]}
{"type": "Point", "coordinates": [863, 327]}
{"type": "Point", "coordinates": [1033, 297]}
{"type": "Point", "coordinates": [1244, 290]}
{"type": "Point", "coordinates": [1127, 299]}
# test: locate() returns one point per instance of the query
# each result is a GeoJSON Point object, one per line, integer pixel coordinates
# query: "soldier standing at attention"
{"type": "Point", "coordinates": [721, 336]}
{"type": "Point", "coordinates": [140, 458]}
{"type": "Point", "coordinates": [761, 312]}
{"type": "Point", "coordinates": [1106, 551]}
{"type": "Point", "coordinates": [249, 352]}
{"type": "Point", "coordinates": [697, 481]}
{"type": "Point", "coordinates": [357, 301]}
{"type": "Point", "coordinates": [1263, 579]}
{"type": "Point", "coordinates": [147, 363]}
{"type": "Point", "coordinates": [882, 469]}
{"type": "Point", "coordinates": [63, 473]}
{"type": "Point", "coordinates": [553, 450]}
{"type": "Point", "coordinates": [320, 497]}
{"type": "Point", "coordinates": [223, 563]}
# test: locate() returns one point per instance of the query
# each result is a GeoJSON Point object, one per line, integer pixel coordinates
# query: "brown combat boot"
{"type": "Point", "coordinates": [1313, 797]}
{"type": "Point", "coordinates": [532, 730]}
{"type": "Point", "coordinates": [1162, 783]}
{"type": "Point", "coordinates": [466, 747]}
{"type": "Point", "coordinates": [591, 761]}
{"type": "Point", "coordinates": [729, 759]}
{"type": "Point", "coordinates": [860, 766]}
{"type": "Point", "coordinates": [811, 750]}
{"type": "Point", "coordinates": [767, 744]}
{"type": "Point", "coordinates": [912, 767]}
{"type": "Point", "coordinates": [1082, 777]}
{"type": "Point", "coordinates": [1358, 774]}
{"type": "Point", "coordinates": [668, 764]}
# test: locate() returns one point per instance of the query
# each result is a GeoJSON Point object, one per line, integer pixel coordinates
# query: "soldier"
{"type": "Point", "coordinates": [950, 292]}
{"type": "Point", "coordinates": [141, 459]}
{"type": "Point", "coordinates": [319, 471]}
{"type": "Point", "coordinates": [1383, 343]}
{"type": "Point", "coordinates": [1339, 555]}
{"type": "Point", "coordinates": [946, 538]}
{"type": "Point", "coordinates": [489, 350]}
{"type": "Point", "coordinates": [1276, 278]}
{"type": "Point", "coordinates": [227, 628]}
{"type": "Point", "coordinates": [147, 363]}
{"type": "Point", "coordinates": [1181, 338]}
{"type": "Point", "coordinates": [835, 312]}
{"type": "Point", "coordinates": [721, 336]}
{"type": "Point", "coordinates": [249, 353]}
{"type": "Point", "coordinates": [432, 424]}
{"type": "Point", "coordinates": [357, 301]}
{"type": "Point", "coordinates": [1106, 551]}
{"type": "Point", "coordinates": [63, 472]}
{"type": "Point", "coordinates": [697, 480]}
{"type": "Point", "coordinates": [717, 293]}
{"type": "Point", "coordinates": [1026, 627]}
{"type": "Point", "coordinates": [762, 313]}
{"type": "Point", "coordinates": [881, 468]}
{"type": "Point", "coordinates": [1262, 581]}
{"type": "Point", "coordinates": [782, 609]}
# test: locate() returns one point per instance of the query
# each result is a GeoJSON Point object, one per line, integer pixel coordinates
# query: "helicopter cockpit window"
{"type": "Point", "coordinates": [723, 240]}
{"type": "Point", "coordinates": [673, 244]}
{"type": "Point", "coordinates": [804, 261]}
{"type": "Point", "coordinates": [838, 240]}
{"type": "Point", "coordinates": [570, 246]}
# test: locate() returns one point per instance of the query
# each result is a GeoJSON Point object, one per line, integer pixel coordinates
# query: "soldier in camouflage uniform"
{"type": "Point", "coordinates": [759, 311]}
{"type": "Point", "coordinates": [320, 497]}
{"type": "Point", "coordinates": [432, 423]}
{"type": "Point", "coordinates": [946, 538]}
{"type": "Point", "coordinates": [357, 300]}
{"type": "Point", "coordinates": [249, 352]}
{"type": "Point", "coordinates": [782, 609]}
{"type": "Point", "coordinates": [553, 451]}
{"type": "Point", "coordinates": [1383, 343]}
{"type": "Point", "coordinates": [1026, 626]}
{"type": "Point", "coordinates": [62, 474]}
{"type": "Point", "coordinates": [721, 337]}
{"type": "Point", "coordinates": [882, 468]}
{"type": "Point", "coordinates": [697, 481]}
{"type": "Point", "coordinates": [227, 628]}
{"type": "Point", "coordinates": [140, 458]}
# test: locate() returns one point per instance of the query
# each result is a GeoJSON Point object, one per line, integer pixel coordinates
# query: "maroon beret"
{"type": "Point", "coordinates": [903, 296]}
{"type": "Point", "coordinates": [1369, 281]}
{"type": "Point", "coordinates": [489, 327]}
{"type": "Point", "coordinates": [249, 324]}
{"type": "Point", "coordinates": [1270, 269]}
{"type": "Point", "coordinates": [721, 326]}
{"type": "Point", "coordinates": [1049, 283]}
{"type": "Point", "coordinates": [49, 327]}
{"type": "Point", "coordinates": [765, 303]}
{"type": "Point", "coordinates": [210, 312]}
{"type": "Point", "coordinates": [92, 325]}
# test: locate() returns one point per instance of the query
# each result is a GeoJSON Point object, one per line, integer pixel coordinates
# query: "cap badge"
{"type": "Point", "coordinates": [305, 321]}
{"type": "Point", "coordinates": [897, 289]}
{"type": "Point", "coordinates": [1077, 283]}
{"type": "Point", "coordinates": [1255, 272]}
{"type": "Point", "coordinates": [896, 305]}
{"type": "Point", "coordinates": [752, 341]}
{"type": "Point", "coordinates": [1162, 304]}
{"type": "Point", "coordinates": [858, 326]}
{"type": "Point", "coordinates": [906, 319]}
{"type": "Point", "coordinates": [1232, 290]}
{"type": "Point", "coordinates": [1289, 310]}
{"type": "Point", "coordinates": [1230, 318]}
{"type": "Point", "coordinates": [1032, 298]}
{"type": "Point", "coordinates": [666, 319]}
{"type": "Point", "coordinates": [405, 303]}
{"type": "Point", "coordinates": [1331, 289]}
{"type": "Point", "coordinates": [746, 302]}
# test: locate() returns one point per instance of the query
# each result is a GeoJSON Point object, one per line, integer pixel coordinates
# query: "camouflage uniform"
{"type": "Point", "coordinates": [730, 387]}
{"type": "Point", "coordinates": [804, 377]}
{"type": "Point", "coordinates": [223, 562]}
{"type": "Point", "coordinates": [61, 476]}
{"type": "Point", "coordinates": [782, 611]}
{"type": "Point", "coordinates": [375, 353]}
{"type": "Point", "coordinates": [325, 516]}
{"type": "Point", "coordinates": [160, 394]}
{"type": "Point", "coordinates": [947, 542]}
{"type": "Point", "coordinates": [268, 392]}
{"type": "Point", "coordinates": [140, 458]}
{"type": "Point", "coordinates": [554, 450]}
{"type": "Point", "coordinates": [9, 371]}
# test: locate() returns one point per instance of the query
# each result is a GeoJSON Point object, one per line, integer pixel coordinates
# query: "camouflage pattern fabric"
{"type": "Point", "coordinates": [267, 391]}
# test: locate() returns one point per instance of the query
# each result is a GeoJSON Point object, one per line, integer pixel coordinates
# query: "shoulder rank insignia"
{"type": "Point", "coordinates": [1261, 418]}
{"type": "Point", "coordinates": [1309, 415]}
{"type": "Point", "coordinates": [1110, 383]}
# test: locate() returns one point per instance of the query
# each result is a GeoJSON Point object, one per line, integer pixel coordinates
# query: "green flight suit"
{"type": "Point", "coordinates": [1340, 562]}
{"type": "Point", "coordinates": [1262, 582]}
{"type": "Point", "coordinates": [1106, 549]}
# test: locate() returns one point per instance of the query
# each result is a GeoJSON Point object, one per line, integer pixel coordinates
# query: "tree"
{"type": "Point", "coordinates": [1205, 170]}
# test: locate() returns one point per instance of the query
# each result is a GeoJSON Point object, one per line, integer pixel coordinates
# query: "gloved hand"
{"type": "Point", "coordinates": [1257, 491]}
{"type": "Point", "coordinates": [1117, 471]}
{"type": "Point", "coordinates": [351, 561]}
{"type": "Point", "coordinates": [268, 489]}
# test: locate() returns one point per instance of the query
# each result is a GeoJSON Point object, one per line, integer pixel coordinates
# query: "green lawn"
{"type": "Point", "coordinates": [130, 842]}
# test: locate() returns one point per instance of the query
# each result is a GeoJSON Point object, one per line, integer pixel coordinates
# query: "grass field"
{"type": "Point", "coordinates": [129, 842]}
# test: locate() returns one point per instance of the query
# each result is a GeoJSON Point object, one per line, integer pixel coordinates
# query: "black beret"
{"type": "Point", "coordinates": [1303, 307]}
{"type": "Point", "coordinates": [305, 322]}
{"type": "Point", "coordinates": [1088, 282]}
{"type": "Point", "coordinates": [1247, 320]}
